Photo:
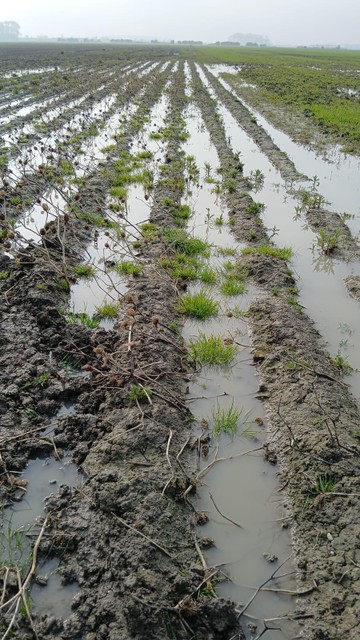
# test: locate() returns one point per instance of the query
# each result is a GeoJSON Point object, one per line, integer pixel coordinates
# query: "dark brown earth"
{"type": "Point", "coordinates": [128, 536]}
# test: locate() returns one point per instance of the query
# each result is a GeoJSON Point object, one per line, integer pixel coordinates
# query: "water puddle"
{"type": "Point", "coordinates": [19, 526]}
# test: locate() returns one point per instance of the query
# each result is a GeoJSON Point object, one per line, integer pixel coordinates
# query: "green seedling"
{"type": "Point", "coordinates": [225, 420]}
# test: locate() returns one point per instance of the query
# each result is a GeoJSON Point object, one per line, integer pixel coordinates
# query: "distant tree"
{"type": "Point", "coordinates": [9, 30]}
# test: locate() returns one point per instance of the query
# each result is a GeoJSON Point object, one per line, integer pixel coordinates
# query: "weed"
{"type": "Point", "coordinates": [327, 241]}
{"type": "Point", "coordinates": [63, 284]}
{"type": "Point", "coordinates": [92, 218]}
{"type": "Point", "coordinates": [108, 310]}
{"type": "Point", "coordinates": [232, 286]}
{"type": "Point", "coordinates": [269, 250]}
{"type": "Point", "coordinates": [138, 393]}
{"type": "Point", "coordinates": [255, 208]}
{"type": "Point", "coordinates": [219, 221]}
{"type": "Point", "coordinates": [199, 305]}
{"type": "Point", "coordinates": [40, 381]}
{"type": "Point", "coordinates": [84, 271]}
{"type": "Point", "coordinates": [324, 483]}
{"type": "Point", "coordinates": [341, 362]}
{"type": "Point", "coordinates": [226, 251]}
{"type": "Point", "coordinates": [207, 275]}
{"type": "Point", "coordinates": [180, 266]}
{"type": "Point", "coordinates": [180, 241]}
{"type": "Point", "coordinates": [127, 268]}
{"type": "Point", "coordinates": [211, 350]}
{"type": "Point", "coordinates": [225, 420]}
{"type": "Point", "coordinates": [4, 275]}
{"type": "Point", "coordinates": [83, 318]}
{"type": "Point", "coordinates": [149, 231]}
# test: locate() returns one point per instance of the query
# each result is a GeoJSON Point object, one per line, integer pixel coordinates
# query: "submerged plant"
{"type": "Point", "coordinates": [211, 350]}
{"type": "Point", "coordinates": [225, 420]}
{"type": "Point", "coordinates": [232, 286]}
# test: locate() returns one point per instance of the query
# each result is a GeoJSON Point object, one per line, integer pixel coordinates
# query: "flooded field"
{"type": "Point", "coordinates": [180, 357]}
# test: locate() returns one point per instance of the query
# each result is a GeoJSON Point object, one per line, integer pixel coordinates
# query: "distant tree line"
{"type": "Point", "coordinates": [9, 30]}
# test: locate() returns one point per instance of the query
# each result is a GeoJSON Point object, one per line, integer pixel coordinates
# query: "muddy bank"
{"type": "Point", "coordinates": [314, 431]}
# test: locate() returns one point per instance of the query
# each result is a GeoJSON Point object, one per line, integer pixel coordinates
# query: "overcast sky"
{"type": "Point", "coordinates": [283, 21]}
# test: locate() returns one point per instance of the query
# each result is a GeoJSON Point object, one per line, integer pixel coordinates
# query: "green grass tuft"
{"type": "Point", "coordinates": [225, 420]}
{"type": "Point", "coordinates": [269, 250]}
{"type": "Point", "coordinates": [211, 350]}
{"type": "Point", "coordinates": [199, 305]}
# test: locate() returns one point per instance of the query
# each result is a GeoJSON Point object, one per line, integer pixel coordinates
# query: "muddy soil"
{"type": "Point", "coordinates": [127, 537]}
{"type": "Point", "coordinates": [352, 284]}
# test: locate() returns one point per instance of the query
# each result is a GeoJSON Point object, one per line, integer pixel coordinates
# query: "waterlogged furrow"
{"type": "Point", "coordinates": [314, 204]}
{"type": "Point", "coordinates": [320, 278]}
{"type": "Point", "coordinates": [337, 173]}
{"type": "Point", "coordinates": [244, 546]}
{"type": "Point", "coordinates": [128, 211]}
{"type": "Point", "coordinates": [91, 153]}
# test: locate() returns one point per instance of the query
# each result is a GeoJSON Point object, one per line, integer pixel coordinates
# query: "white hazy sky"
{"type": "Point", "coordinates": [283, 21]}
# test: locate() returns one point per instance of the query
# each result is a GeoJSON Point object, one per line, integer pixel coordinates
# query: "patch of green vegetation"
{"type": "Point", "coordinates": [96, 220]}
{"type": "Point", "coordinates": [149, 231]}
{"type": "Point", "coordinates": [66, 168]}
{"type": "Point", "coordinates": [138, 393]}
{"type": "Point", "coordinates": [108, 148]}
{"type": "Point", "coordinates": [82, 318]}
{"type": "Point", "coordinates": [108, 310]}
{"type": "Point", "coordinates": [63, 284]}
{"type": "Point", "coordinates": [84, 271]}
{"type": "Point", "coordinates": [180, 212]}
{"type": "Point", "coordinates": [255, 208]}
{"type": "Point", "coordinates": [269, 250]}
{"type": "Point", "coordinates": [119, 192]}
{"type": "Point", "coordinates": [342, 363]}
{"type": "Point", "coordinates": [321, 85]}
{"type": "Point", "coordinates": [40, 381]}
{"type": "Point", "coordinates": [207, 275]}
{"type": "Point", "coordinates": [327, 241]}
{"type": "Point", "coordinates": [226, 251]}
{"type": "Point", "coordinates": [180, 265]}
{"type": "Point", "coordinates": [232, 286]}
{"type": "Point", "coordinates": [180, 241]}
{"type": "Point", "coordinates": [225, 420]}
{"type": "Point", "coordinates": [127, 268]}
{"type": "Point", "coordinates": [198, 305]}
{"type": "Point", "coordinates": [324, 483]}
{"type": "Point", "coordinates": [211, 350]}
{"type": "Point", "coordinates": [4, 275]}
